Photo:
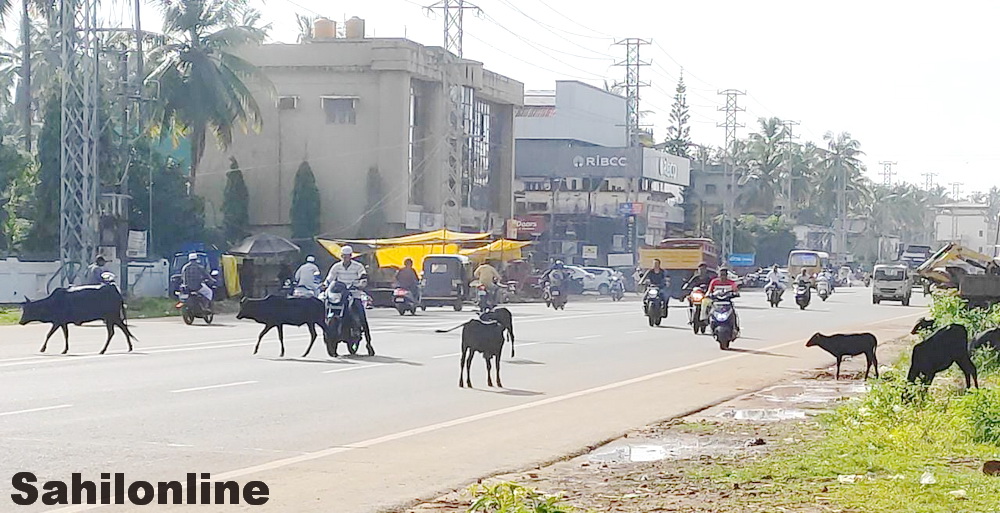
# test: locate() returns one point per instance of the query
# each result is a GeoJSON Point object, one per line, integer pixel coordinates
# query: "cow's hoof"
{"type": "Point", "coordinates": [371, 352]}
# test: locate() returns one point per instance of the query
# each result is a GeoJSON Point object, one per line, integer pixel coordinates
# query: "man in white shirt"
{"type": "Point", "coordinates": [352, 274]}
{"type": "Point", "coordinates": [307, 277]}
{"type": "Point", "coordinates": [774, 278]}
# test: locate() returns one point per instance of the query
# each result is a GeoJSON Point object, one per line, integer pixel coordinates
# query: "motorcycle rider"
{"type": "Point", "coordinates": [657, 277]}
{"type": "Point", "coordinates": [196, 278]}
{"type": "Point", "coordinates": [94, 272]}
{"type": "Point", "coordinates": [352, 274]}
{"type": "Point", "coordinates": [305, 276]}
{"type": "Point", "coordinates": [407, 278]}
{"type": "Point", "coordinates": [774, 280]}
{"type": "Point", "coordinates": [702, 278]}
{"type": "Point", "coordinates": [489, 276]}
{"type": "Point", "coordinates": [722, 283]}
{"type": "Point", "coordinates": [555, 276]}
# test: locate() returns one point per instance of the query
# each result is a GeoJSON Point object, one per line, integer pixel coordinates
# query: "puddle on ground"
{"type": "Point", "coordinates": [675, 447]}
{"type": "Point", "coordinates": [810, 392]}
{"type": "Point", "coordinates": [763, 415]}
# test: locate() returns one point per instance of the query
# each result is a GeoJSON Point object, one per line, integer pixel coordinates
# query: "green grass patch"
{"type": "Point", "coordinates": [138, 308]}
{"type": "Point", "coordinates": [9, 316]}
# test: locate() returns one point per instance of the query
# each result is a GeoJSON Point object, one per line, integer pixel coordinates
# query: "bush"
{"type": "Point", "coordinates": [983, 409]}
{"type": "Point", "coordinates": [513, 498]}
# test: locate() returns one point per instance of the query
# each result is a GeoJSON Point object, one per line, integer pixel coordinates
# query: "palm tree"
{"type": "Point", "coordinates": [764, 175]}
{"type": "Point", "coordinates": [843, 175]}
{"type": "Point", "coordinates": [203, 85]}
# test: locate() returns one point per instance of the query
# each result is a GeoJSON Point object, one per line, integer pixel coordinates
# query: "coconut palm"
{"type": "Point", "coordinates": [204, 86]}
{"type": "Point", "coordinates": [764, 175]}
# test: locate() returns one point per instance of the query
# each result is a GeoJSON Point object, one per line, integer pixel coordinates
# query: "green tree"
{"type": "Point", "coordinates": [235, 205]}
{"type": "Point", "coordinates": [764, 177]}
{"type": "Point", "coordinates": [306, 208]}
{"type": "Point", "coordinates": [204, 85]}
{"type": "Point", "coordinates": [43, 237]}
{"type": "Point", "coordinates": [679, 132]}
{"type": "Point", "coordinates": [373, 220]}
{"type": "Point", "coordinates": [13, 164]}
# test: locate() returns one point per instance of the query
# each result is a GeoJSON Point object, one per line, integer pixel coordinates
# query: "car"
{"type": "Point", "coordinates": [601, 280]}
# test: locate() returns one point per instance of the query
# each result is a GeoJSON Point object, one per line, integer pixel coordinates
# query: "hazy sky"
{"type": "Point", "coordinates": [910, 80]}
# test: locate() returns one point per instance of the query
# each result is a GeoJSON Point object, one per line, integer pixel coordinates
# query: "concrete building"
{"type": "Point", "coordinates": [576, 176]}
{"type": "Point", "coordinates": [370, 116]}
{"type": "Point", "coordinates": [968, 224]}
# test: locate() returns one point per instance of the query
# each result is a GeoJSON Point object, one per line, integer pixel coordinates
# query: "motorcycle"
{"type": "Point", "coordinates": [654, 306]}
{"type": "Point", "coordinates": [508, 292]}
{"type": "Point", "coordinates": [404, 301]}
{"type": "Point", "coordinates": [774, 294]}
{"type": "Point", "coordinates": [340, 326]}
{"type": "Point", "coordinates": [823, 288]}
{"type": "Point", "coordinates": [617, 289]}
{"type": "Point", "coordinates": [694, 310]}
{"type": "Point", "coordinates": [484, 299]}
{"type": "Point", "coordinates": [802, 295]}
{"type": "Point", "coordinates": [193, 305]}
{"type": "Point", "coordinates": [722, 319]}
{"type": "Point", "coordinates": [555, 297]}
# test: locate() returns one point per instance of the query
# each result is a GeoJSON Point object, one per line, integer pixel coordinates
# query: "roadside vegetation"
{"type": "Point", "coordinates": [506, 497]}
{"type": "Point", "coordinates": [138, 308]}
{"type": "Point", "coordinates": [899, 447]}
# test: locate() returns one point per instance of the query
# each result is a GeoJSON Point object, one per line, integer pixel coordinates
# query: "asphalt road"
{"type": "Point", "coordinates": [362, 434]}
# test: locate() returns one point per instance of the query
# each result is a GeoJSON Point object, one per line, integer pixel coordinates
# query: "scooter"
{"type": "Point", "coordinates": [774, 294]}
{"type": "Point", "coordinates": [195, 306]}
{"type": "Point", "coordinates": [823, 288]}
{"type": "Point", "coordinates": [556, 297]}
{"type": "Point", "coordinates": [617, 289]}
{"type": "Point", "coordinates": [341, 327]}
{"type": "Point", "coordinates": [802, 295]}
{"type": "Point", "coordinates": [694, 311]}
{"type": "Point", "coordinates": [405, 301]}
{"type": "Point", "coordinates": [484, 299]}
{"type": "Point", "coordinates": [723, 319]}
{"type": "Point", "coordinates": [654, 306]}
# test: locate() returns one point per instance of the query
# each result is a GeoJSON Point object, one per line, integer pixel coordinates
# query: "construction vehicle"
{"type": "Point", "coordinates": [975, 275]}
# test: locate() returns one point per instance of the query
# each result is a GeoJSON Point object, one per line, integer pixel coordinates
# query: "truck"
{"type": "Point", "coordinates": [680, 257]}
{"type": "Point", "coordinates": [915, 254]}
{"type": "Point", "coordinates": [975, 276]}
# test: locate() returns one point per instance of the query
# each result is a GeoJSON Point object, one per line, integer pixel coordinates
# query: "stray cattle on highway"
{"type": "Point", "coordinates": [504, 317]}
{"type": "Point", "coordinates": [946, 346]}
{"type": "Point", "coordinates": [842, 345]}
{"type": "Point", "coordinates": [482, 337]}
{"type": "Point", "coordinates": [278, 311]}
{"type": "Point", "coordinates": [77, 306]}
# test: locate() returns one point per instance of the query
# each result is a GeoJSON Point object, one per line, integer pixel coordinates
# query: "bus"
{"type": "Point", "coordinates": [813, 261]}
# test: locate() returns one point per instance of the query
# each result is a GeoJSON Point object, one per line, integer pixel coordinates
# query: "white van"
{"type": "Point", "coordinates": [893, 283]}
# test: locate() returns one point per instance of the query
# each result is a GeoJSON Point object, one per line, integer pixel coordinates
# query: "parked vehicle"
{"type": "Point", "coordinates": [446, 279]}
{"type": "Point", "coordinates": [599, 280]}
{"type": "Point", "coordinates": [892, 283]}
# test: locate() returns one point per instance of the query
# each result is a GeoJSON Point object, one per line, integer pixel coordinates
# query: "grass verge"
{"type": "Point", "coordinates": [138, 308]}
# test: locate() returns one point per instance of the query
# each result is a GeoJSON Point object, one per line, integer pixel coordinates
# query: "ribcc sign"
{"type": "Point", "coordinates": [600, 161]}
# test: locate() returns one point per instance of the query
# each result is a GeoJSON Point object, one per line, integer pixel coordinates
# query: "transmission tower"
{"type": "Point", "coordinates": [887, 172]}
{"type": "Point", "coordinates": [929, 180]}
{"type": "Point", "coordinates": [457, 136]}
{"type": "Point", "coordinates": [729, 208]}
{"type": "Point", "coordinates": [632, 64]}
{"type": "Point", "coordinates": [956, 189]}
{"type": "Point", "coordinates": [789, 127]}
{"type": "Point", "coordinates": [78, 214]}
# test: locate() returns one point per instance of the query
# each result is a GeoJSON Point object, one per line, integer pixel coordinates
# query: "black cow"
{"type": "Point", "coordinates": [988, 338]}
{"type": "Point", "coordinates": [504, 317]}
{"type": "Point", "coordinates": [482, 337]}
{"type": "Point", "coordinates": [939, 351]}
{"type": "Point", "coordinates": [278, 311]}
{"type": "Point", "coordinates": [924, 324]}
{"type": "Point", "coordinates": [78, 305]}
{"type": "Point", "coordinates": [848, 345]}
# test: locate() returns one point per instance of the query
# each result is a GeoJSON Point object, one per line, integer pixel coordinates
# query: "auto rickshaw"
{"type": "Point", "coordinates": [446, 280]}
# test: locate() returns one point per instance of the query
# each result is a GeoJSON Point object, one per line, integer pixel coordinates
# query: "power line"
{"type": "Point", "coordinates": [539, 48]}
{"type": "Point", "coordinates": [603, 35]}
{"type": "Point", "coordinates": [552, 29]}
{"type": "Point", "coordinates": [529, 63]}
{"type": "Point", "coordinates": [536, 45]}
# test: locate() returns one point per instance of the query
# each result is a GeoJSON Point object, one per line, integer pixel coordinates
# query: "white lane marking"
{"type": "Point", "coordinates": [210, 387]}
{"type": "Point", "coordinates": [33, 410]}
{"type": "Point", "coordinates": [371, 442]}
{"type": "Point", "coordinates": [354, 367]}
{"type": "Point", "coordinates": [450, 355]}
{"type": "Point", "coordinates": [588, 337]}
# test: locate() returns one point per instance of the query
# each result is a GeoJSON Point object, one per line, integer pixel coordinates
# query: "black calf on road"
{"type": "Point", "coordinates": [77, 306]}
{"type": "Point", "coordinates": [278, 311]}
{"type": "Point", "coordinates": [946, 346]}
{"type": "Point", "coordinates": [482, 337]}
{"type": "Point", "coordinates": [842, 345]}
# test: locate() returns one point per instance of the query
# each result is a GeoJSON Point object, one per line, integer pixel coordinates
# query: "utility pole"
{"type": "Point", "coordinates": [78, 214]}
{"type": "Point", "coordinates": [789, 126]}
{"type": "Point", "coordinates": [887, 172]}
{"type": "Point", "coordinates": [928, 180]}
{"type": "Point", "coordinates": [729, 207]}
{"type": "Point", "coordinates": [457, 135]}
{"type": "Point", "coordinates": [956, 189]}
{"type": "Point", "coordinates": [632, 64]}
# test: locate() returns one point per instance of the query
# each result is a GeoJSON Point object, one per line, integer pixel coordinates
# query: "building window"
{"type": "Point", "coordinates": [339, 110]}
{"type": "Point", "coordinates": [980, 233]}
{"type": "Point", "coordinates": [710, 188]}
{"type": "Point", "coordinates": [537, 207]}
{"type": "Point", "coordinates": [288, 102]}
{"type": "Point", "coordinates": [535, 186]}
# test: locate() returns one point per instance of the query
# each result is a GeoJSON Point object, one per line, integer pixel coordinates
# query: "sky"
{"type": "Point", "coordinates": [910, 80]}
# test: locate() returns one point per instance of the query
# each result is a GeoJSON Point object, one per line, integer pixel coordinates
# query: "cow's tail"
{"type": "Point", "coordinates": [451, 329]}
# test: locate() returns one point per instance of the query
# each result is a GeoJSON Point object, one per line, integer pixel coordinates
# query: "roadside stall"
{"type": "Point", "coordinates": [260, 258]}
